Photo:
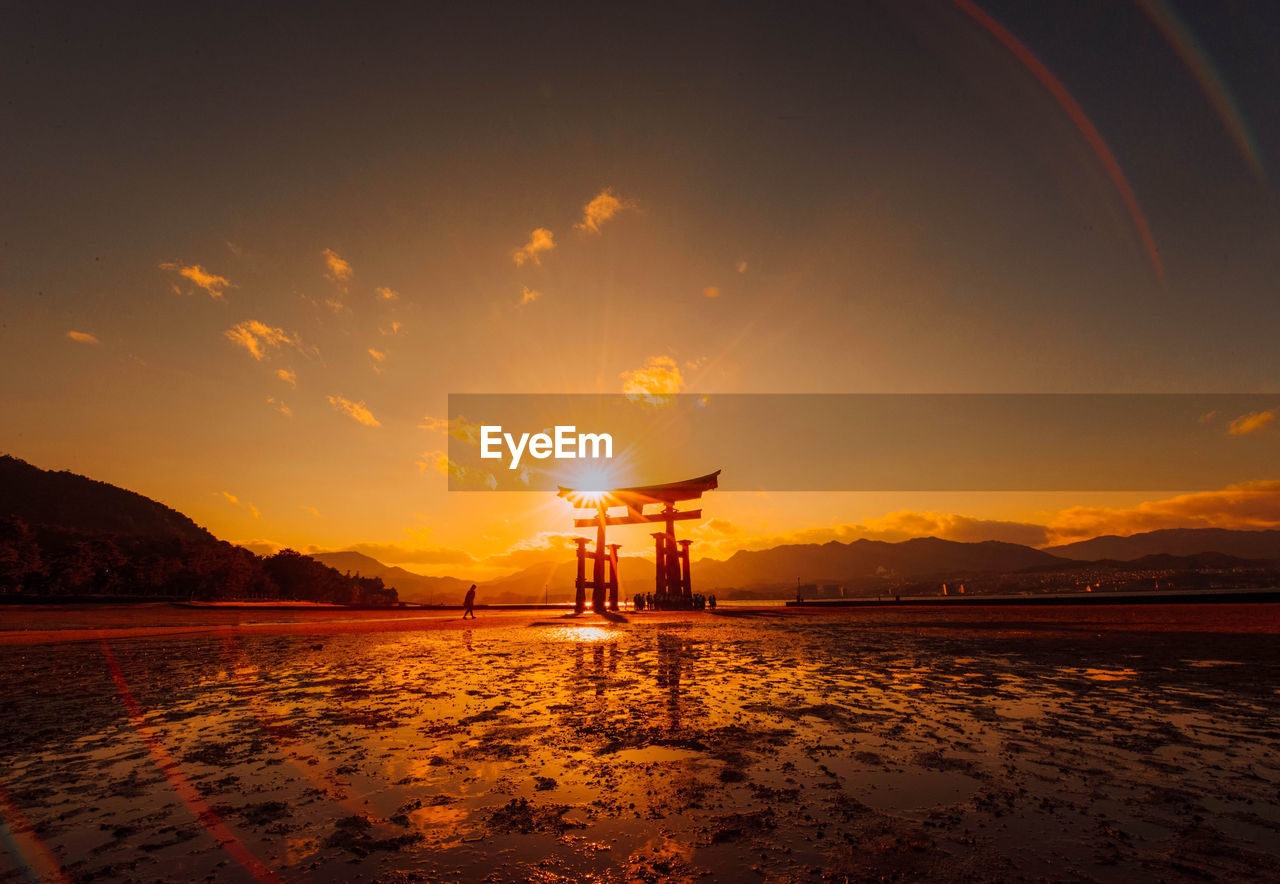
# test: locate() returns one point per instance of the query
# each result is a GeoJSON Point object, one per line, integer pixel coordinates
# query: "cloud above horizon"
{"type": "Point", "coordinates": [541, 240]}
{"type": "Point", "coordinates": [459, 428]}
{"type": "Point", "coordinates": [1250, 423]}
{"type": "Point", "coordinates": [601, 208]}
{"type": "Point", "coordinates": [83, 337]}
{"type": "Point", "coordinates": [659, 377]}
{"type": "Point", "coordinates": [1251, 506]}
{"type": "Point", "coordinates": [280, 406]}
{"type": "Point", "coordinates": [336, 269]}
{"type": "Point", "coordinates": [258, 337]}
{"type": "Point", "coordinates": [355, 410]}
{"type": "Point", "coordinates": [210, 282]}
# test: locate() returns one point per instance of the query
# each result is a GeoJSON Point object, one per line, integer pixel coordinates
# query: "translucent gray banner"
{"type": "Point", "coordinates": [862, 442]}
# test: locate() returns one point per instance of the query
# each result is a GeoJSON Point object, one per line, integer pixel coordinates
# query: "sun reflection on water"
{"type": "Point", "coordinates": [580, 634]}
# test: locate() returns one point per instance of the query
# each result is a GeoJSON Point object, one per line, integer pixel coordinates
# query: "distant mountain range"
{"type": "Point", "coordinates": [412, 587]}
{"type": "Point", "coordinates": [74, 504]}
{"type": "Point", "coordinates": [1175, 542]}
{"type": "Point", "coordinates": [859, 562]}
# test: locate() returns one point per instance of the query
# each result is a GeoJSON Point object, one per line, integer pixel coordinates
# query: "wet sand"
{"type": "Point", "coordinates": [987, 744]}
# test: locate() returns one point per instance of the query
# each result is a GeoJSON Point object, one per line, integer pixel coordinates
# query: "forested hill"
{"type": "Point", "coordinates": [69, 502]}
{"type": "Point", "coordinates": [66, 536]}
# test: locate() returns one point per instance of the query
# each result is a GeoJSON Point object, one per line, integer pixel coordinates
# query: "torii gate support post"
{"type": "Point", "coordinates": [674, 577]}
{"type": "Point", "coordinates": [613, 576]}
{"type": "Point", "coordinates": [597, 571]}
{"type": "Point", "coordinates": [580, 598]}
{"type": "Point", "coordinates": [660, 568]}
{"type": "Point", "coordinates": [686, 580]}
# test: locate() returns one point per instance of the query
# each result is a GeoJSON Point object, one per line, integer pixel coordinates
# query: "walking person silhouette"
{"type": "Point", "coordinates": [469, 603]}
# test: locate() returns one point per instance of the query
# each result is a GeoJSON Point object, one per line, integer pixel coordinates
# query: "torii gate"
{"type": "Point", "coordinates": [671, 576]}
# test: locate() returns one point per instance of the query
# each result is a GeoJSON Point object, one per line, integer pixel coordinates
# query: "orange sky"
{"type": "Point", "coordinates": [246, 288]}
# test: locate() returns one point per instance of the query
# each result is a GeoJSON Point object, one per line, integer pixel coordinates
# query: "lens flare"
{"type": "Point", "coordinates": [1082, 122]}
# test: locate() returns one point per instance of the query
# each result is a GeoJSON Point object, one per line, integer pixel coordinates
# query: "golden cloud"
{"type": "Point", "coordinates": [355, 410]}
{"type": "Point", "coordinates": [288, 377]}
{"type": "Point", "coordinates": [258, 337]}
{"type": "Point", "coordinates": [336, 269]}
{"type": "Point", "coordinates": [1251, 506]}
{"type": "Point", "coordinates": [385, 293]}
{"type": "Point", "coordinates": [742, 267]}
{"type": "Point", "coordinates": [603, 207]}
{"type": "Point", "coordinates": [528, 296]}
{"type": "Point", "coordinates": [82, 337]}
{"type": "Point", "coordinates": [311, 509]}
{"type": "Point", "coordinates": [459, 428]}
{"type": "Point", "coordinates": [280, 406]}
{"type": "Point", "coordinates": [439, 462]}
{"type": "Point", "coordinates": [660, 377]}
{"type": "Point", "coordinates": [546, 546]}
{"type": "Point", "coordinates": [210, 282]}
{"type": "Point", "coordinates": [1250, 423]}
{"type": "Point", "coordinates": [393, 330]}
{"type": "Point", "coordinates": [711, 291]}
{"type": "Point", "coordinates": [378, 358]}
{"type": "Point", "coordinates": [541, 240]}
{"type": "Point", "coordinates": [231, 497]}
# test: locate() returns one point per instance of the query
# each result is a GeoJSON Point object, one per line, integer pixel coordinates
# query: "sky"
{"type": "Point", "coordinates": [246, 253]}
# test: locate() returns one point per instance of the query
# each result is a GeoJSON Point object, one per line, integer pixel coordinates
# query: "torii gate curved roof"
{"type": "Point", "coordinates": [637, 496]}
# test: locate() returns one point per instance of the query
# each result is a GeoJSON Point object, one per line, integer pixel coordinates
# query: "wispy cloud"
{"type": "Point", "coordinates": [711, 291]}
{"type": "Point", "coordinates": [603, 207]}
{"type": "Point", "coordinates": [659, 377]}
{"type": "Point", "coordinates": [258, 337]}
{"type": "Point", "coordinates": [355, 410]}
{"type": "Point", "coordinates": [386, 294]}
{"type": "Point", "coordinates": [235, 501]}
{"type": "Point", "coordinates": [312, 510]}
{"type": "Point", "coordinates": [459, 428]}
{"type": "Point", "coordinates": [1250, 423]}
{"type": "Point", "coordinates": [542, 547]}
{"type": "Point", "coordinates": [541, 240]}
{"type": "Point", "coordinates": [392, 330]}
{"type": "Point", "coordinates": [82, 337]}
{"type": "Point", "coordinates": [742, 267]}
{"type": "Point", "coordinates": [397, 554]}
{"type": "Point", "coordinates": [280, 406]}
{"type": "Point", "coordinates": [379, 359]}
{"type": "Point", "coordinates": [210, 282]}
{"type": "Point", "coordinates": [287, 375]}
{"type": "Point", "coordinates": [336, 269]}
{"type": "Point", "coordinates": [528, 296]}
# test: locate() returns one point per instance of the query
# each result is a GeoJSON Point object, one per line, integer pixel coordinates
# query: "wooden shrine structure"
{"type": "Point", "coordinates": [672, 585]}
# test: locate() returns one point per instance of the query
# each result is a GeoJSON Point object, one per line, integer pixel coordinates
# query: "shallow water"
{"type": "Point", "coordinates": [781, 747]}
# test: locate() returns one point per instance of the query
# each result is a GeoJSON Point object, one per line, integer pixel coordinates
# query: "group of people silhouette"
{"type": "Point", "coordinates": [647, 601]}
{"type": "Point", "coordinates": [643, 601]}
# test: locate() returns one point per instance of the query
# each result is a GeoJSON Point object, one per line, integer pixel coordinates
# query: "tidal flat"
{"type": "Point", "coordinates": [1107, 744]}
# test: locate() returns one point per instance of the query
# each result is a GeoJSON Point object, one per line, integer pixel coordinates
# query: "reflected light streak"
{"type": "Point", "coordinates": [21, 840]}
{"type": "Point", "coordinates": [168, 765]}
{"type": "Point", "coordinates": [1078, 117]}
